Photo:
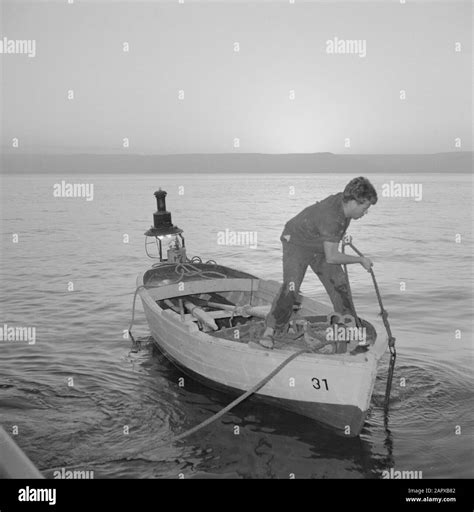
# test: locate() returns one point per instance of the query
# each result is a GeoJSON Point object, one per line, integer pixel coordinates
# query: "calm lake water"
{"type": "Point", "coordinates": [424, 274]}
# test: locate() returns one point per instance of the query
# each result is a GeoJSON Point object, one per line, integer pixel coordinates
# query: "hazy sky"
{"type": "Point", "coordinates": [246, 94]}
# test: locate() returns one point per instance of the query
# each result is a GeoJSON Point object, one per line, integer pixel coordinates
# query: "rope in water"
{"type": "Point", "coordinates": [213, 418]}
{"type": "Point", "coordinates": [241, 398]}
{"type": "Point", "coordinates": [391, 338]}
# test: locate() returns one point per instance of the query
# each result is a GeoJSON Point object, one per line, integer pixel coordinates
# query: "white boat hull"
{"type": "Point", "coordinates": [334, 390]}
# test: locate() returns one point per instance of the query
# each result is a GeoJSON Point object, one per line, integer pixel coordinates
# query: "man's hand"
{"type": "Point", "coordinates": [333, 256]}
{"type": "Point", "coordinates": [366, 263]}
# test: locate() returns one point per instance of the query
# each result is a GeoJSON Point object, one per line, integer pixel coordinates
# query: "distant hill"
{"type": "Point", "coordinates": [456, 162]}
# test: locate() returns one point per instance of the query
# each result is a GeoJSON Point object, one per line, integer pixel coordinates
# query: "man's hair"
{"type": "Point", "coordinates": [360, 189]}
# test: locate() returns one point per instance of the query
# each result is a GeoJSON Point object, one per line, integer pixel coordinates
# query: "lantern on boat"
{"type": "Point", "coordinates": [166, 237]}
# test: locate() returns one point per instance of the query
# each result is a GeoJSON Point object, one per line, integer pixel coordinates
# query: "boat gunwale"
{"type": "Point", "coordinates": [173, 318]}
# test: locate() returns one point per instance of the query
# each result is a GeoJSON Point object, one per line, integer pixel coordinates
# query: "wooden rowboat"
{"type": "Point", "coordinates": [200, 323]}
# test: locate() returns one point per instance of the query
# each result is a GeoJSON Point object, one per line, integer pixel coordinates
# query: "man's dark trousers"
{"type": "Point", "coordinates": [295, 262]}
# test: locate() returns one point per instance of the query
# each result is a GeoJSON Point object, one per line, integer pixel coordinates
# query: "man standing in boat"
{"type": "Point", "coordinates": [312, 238]}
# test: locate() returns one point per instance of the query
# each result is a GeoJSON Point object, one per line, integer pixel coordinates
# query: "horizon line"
{"type": "Point", "coordinates": [22, 153]}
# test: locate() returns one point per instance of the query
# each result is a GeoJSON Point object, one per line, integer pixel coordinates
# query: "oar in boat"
{"type": "Point", "coordinates": [201, 315]}
{"type": "Point", "coordinates": [245, 310]}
